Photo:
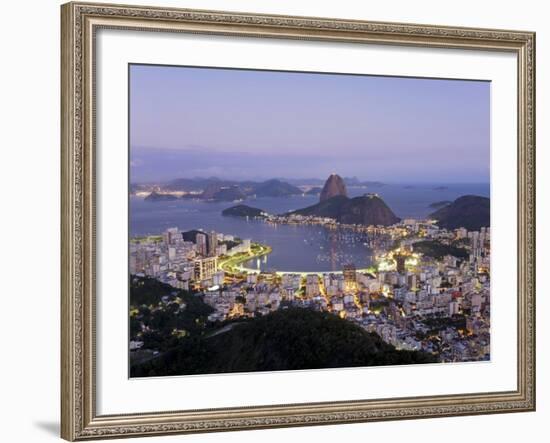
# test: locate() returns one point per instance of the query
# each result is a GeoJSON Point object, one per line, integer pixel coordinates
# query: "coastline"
{"type": "Point", "coordinates": [232, 264]}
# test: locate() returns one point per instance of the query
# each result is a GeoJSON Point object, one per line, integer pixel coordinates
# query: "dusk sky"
{"type": "Point", "coordinates": [238, 124]}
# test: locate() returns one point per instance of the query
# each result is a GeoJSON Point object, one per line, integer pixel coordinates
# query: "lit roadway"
{"type": "Point", "coordinates": [234, 264]}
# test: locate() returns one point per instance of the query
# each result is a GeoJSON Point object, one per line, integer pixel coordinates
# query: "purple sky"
{"type": "Point", "coordinates": [187, 122]}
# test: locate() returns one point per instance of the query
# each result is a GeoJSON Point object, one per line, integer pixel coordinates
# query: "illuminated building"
{"type": "Point", "coordinates": [205, 268]}
{"type": "Point", "coordinates": [171, 236]}
{"type": "Point", "coordinates": [201, 244]}
{"type": "Point", "coordinates": [212, 243]}
{"type": "Point", "coordinates": [206, 243]}
{"type": "Point", "coordinates": [400, 261]}
{"type": "Point", "coordinates": [312, 285]}
{"type": "Point", "coordinates": [350, 277]}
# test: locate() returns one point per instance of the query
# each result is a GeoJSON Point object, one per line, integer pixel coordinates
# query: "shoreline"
{"type": "Point", "coordinates": [266, 250]}
{"type": "Point", "coordinates": [234, 262]}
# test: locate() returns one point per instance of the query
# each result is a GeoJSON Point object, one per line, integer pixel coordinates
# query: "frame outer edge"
{"type": "Point", "coordinates": [68, 425]}
{"type": "Point", "coordinates": [531, 379]}
{"type": "Point", "coordinates": [78, 419]}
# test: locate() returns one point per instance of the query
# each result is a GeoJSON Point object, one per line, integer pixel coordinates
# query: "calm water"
{"type": "Point", "coordinates": [295, 248]}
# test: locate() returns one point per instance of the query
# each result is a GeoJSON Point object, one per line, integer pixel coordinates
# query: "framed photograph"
{"type": "Point", "coordinates": [283, 221]}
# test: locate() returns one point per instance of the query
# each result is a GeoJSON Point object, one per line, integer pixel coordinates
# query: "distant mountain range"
{"type": "Point", "coordinates": [269, 188]}
{"type": "Point", "coordinates": [349, 181]}
{"type": "Point", "coordinates": [216, 189]}
{"type": "Point", "coordinates": [199, 184]}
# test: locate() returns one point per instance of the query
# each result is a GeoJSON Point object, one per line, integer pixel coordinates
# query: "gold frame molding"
{"type": "Point", "coordinates": [79, 22]}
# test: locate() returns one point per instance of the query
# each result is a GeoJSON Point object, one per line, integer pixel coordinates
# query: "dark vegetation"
{"type": "Point", "coordinates": [159, 313]}
{"type": "Point", "coordinates": [287, 339]}
{"type": "Point", "coordinates": [437, 324]}
{"type": "Point", "coordinates": [156, 197]}
{"type": "Point", "coordinates": [438, 250]}
{"type": "Point", "coordinates": [469, 211]}
{"type": "Point", "coordinates": [243, 211]}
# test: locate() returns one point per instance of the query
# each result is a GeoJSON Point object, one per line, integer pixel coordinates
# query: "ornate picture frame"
{"type": "Point", "coordinates": [80, 22]}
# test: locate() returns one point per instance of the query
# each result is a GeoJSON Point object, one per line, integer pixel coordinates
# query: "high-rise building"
{"type": "Point", "coordinates": [312, 285]}
{"type": "Point", "coordinates": [171, 236]}
{"type": "Point", "coordinates": [350, 277]}
{"type": "Point", "coordinates": [212, 243]}
{"type": "Point", "coordinates": [207, 243]}
{"type": "Point", "coordinates": [202, 244]}
{"type": "Point", "coordinates": [205, 268]}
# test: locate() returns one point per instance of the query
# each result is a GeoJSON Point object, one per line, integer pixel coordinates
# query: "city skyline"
{"type": "Point", "coordinates": [189, 122]}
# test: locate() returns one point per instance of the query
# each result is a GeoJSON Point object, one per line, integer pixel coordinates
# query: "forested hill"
{"type": "Point", "coordinates": [287, 339]}
{"type": "Point", "coordinates": [469, 211]}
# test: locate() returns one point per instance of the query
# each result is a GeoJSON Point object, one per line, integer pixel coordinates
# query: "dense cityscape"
{"type": "Point", "coordinates": [427, 288]}
{"type": "Point", "coordinates": [285, 220]}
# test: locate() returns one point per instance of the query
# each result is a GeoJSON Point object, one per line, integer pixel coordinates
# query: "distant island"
{"type": "Point", "coordinates": [244, 211]}
{"type": "Point", "coordinates": [469, 211]}
{"type": "Point", "coordinates": [441, 188]}
{"type": "Point", "coordinates": [440, 204]}
{"type": "Point", "coordinates": [160, 197]}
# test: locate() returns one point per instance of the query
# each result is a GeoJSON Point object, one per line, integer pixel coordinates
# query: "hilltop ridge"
{"type": "Point", "coordinates": [469, 211]}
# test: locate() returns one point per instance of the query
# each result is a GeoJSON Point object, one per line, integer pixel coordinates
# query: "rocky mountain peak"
{"type": "Point", "coordinates": [333, 186]}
